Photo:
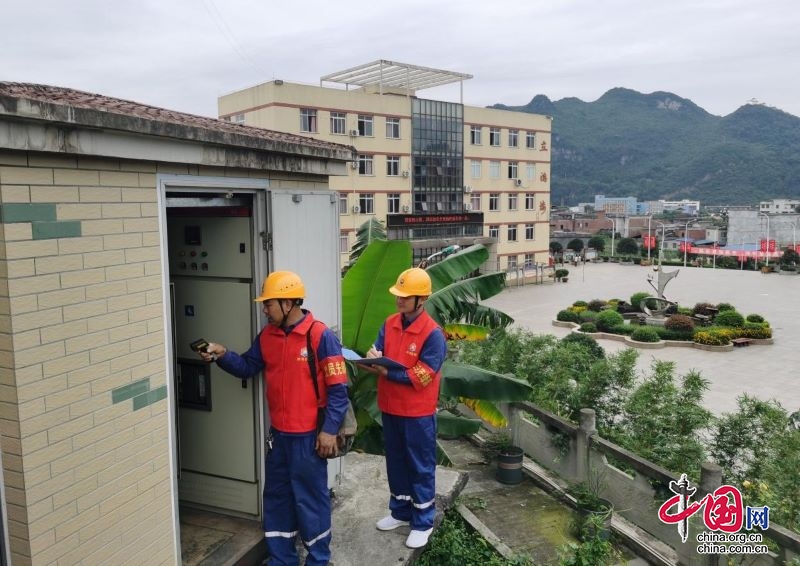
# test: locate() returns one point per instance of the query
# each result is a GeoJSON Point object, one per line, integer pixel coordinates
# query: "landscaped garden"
{"type": "Point", "coordinates": [707, 324]}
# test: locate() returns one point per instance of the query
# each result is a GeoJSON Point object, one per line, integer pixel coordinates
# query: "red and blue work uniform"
{"type": "Point", "coordinates": [296, 495]}
{"type": "Point", "coordinates": [407, 399]}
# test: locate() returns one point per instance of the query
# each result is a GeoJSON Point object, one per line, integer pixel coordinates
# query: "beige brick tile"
{"type": "Point", "coordinates": [75, 211]}
{"type": "Point", "coordinates": [81, 245]}
{"type": "Point", "coordinates": [36, 458]}
{"type": "Point", "coordinates": [172, 169]}
{"type": "Point", "coordinates": [150, 209]}
{"type": "Point", "coordinates": [73, 525]}
{"type": "Point", "coordinates": [124, 210]}
{"type": "Point", "coordinates": [40, 509]}
{"type": "Point", "coordinates": [104, 259]}
{"type": "Point", "coordinates": [64, 331]}
{"type": "Point", "coordinates": [42, 388]}
{"type": "Point", "coordinates": [52, 160]}
{"type": "Point", "coordinates": [106, 290]}
{"type": "Point", "coordinates": [147, 180]}
{"type": "Point", "coordinates": [101, 227]}
{"type": "Point", "coordinates": [152, 268]}
{"type": "Point", "coordinates": [138, 166]}
{"type": "Point", "coordinates": [112, 412]}
{"type": "Point", "coordinates": [75, 460]}
{"type": "Point", "coordinates": [22, 305]}
{"type": "Point", "coordinates": [37, 319]}
{"type": "Point", "coordinates": [86, 342]}
{"type": "Point", "coordinates": [143, 284]}
{"type": "Point", "coordinates": [45, 421]}
{"type": "Point", "coordinates": [66, 397]}
{"type": "Point", "coordinates": [147, 341]}
{"type": "Point", "coordinates": [90, 404]}
{"type": "Point", "coordinates": [86, 310]}
{"type": "Point", "coordinates": [39, 354]}
{"type": "Point", "coordinates": [17, 158]}
{"type": "Point", "coordinates": [58, 264]}
{"type": "Point", "coordinates": [83, 277]}
{"type": "Point", "coordinates": [38, 475]}
{"type": "Point", "coordinates": [36, 284]}
{"type": "Point", "coordinates": [46, 489]}
{"type": "Point", "coordinates": [7, 359]}
{"type": "Point", "coordinates": [122, 241]}
{"type": "Point", "coordinates": [8, 394]}
{"type": "Point", "coordinates": [37, 248]}
{"type": "Point", "coordinates": [151, 239]}
{"type": "Point", "coordinates": [127, 271]}
{"type": "Point", "coordinates": [62, 298]}
{"type": "Point", "coordinates": [127, 331]}
{"type": "Point", "coordinates": [144, 313]}
{"type": "Point", "coordinates": [105, 437]}
{"type": "Point", "coordinates": [19, 231]}
{"type": "Point", "coordinates": [150, 481]}
{"type": "Point", "coordinates": [26, 176]}
{"type": "Point", "coordinates": [54, 194]}
{"type": "Point", "coordinates": [25, 340]}
{"type": "Point", "coordinates": [50, 521]}
{"type": "Point", "coordinates": [41, 543]}
{"type": "Point", "coordinates": [71, 428]}
{"type": "Point", "coordinates": [110, 320]}
{"type": "Point", "coordinates": [66, 364]}
{"type": "Point", "coordinates": [55, 552]}
{"type": "Point", "coordinates": [88, 374]}
{"type": "Point", "coordinates": [24, 376]}
{"type": "Point", "coordinates": [15, 194]}
{"type": "Point", "coordinates": [141, 224]}
{"type": "Point", "coordinates": [129, 301]}
{"type": "Point", "coordinates": [90, 468]}
{"type": "Point", "coordinates": [99, 163]}
{"type": "Point", "coordinates": [109, 352]}
{"type": "Point", "coordinates": [146, 194]}
{"type": "Point", "coordinates": [152, 253]}
{"type": "Point", "coordinates": [119, 179]}
{"type": "Point", "coordinates": [9, 411]}
{"type": "Point", "coordinates": [76, 177]}
{"type": "Point", "coordinates": [128, 362]}
{"type": "Point", "coordinates": [15, 496]}
{"type": "Point", "coordinates": [149, 369]}
{"type": "Point", "coordinates": [129, 460]}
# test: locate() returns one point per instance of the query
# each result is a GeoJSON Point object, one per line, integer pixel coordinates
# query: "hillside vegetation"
{"type": "Point", "coordinates": [661, 146]}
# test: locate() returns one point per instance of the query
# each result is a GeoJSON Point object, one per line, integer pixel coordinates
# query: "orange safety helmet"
{"type": "Point", "coordinates": [414, 282]}
{"type": "Point", "coordinates": [282, 285]}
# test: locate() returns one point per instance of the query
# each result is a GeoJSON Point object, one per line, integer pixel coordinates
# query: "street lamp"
{"type": "Point", "coordinates": [661, 244]}
{"type": "Point", "coordinates": [613, 229]}
{"type": "Point", "coordinates": [767, 250]}
{"type": "Point", "coordinates": [686, 240]}
{"type": "Point", "coordinates": [649, 218]}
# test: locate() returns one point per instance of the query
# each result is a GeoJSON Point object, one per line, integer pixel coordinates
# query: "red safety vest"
{"type": "Point", "coordinates": [289, 390]}
{"type": "Point", "coordinates": [404, 346]}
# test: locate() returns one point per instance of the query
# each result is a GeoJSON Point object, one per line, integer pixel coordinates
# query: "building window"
{"type": "Point", "coordinates": [342, 203]}
{"type": "Point", "coordinates": [528, 261]}
{"type": "Point", "coordinates": [365, 165]}
{"type": "Point", "coordinates": [365, 125]}
{"type": "Point", "coordinates": [494, 136]}
{"type": "Point", "coordinates": [494, 169]}
{"type": "Point", "coordinates": [513, 169]}
{"type": "Point", "coordinates": [512, 262]}
{"type": "Point", "coordinates": [530, 171]}
{"type": "Point", "coordinates": [512, 232]}
{"type": "Point", "coordinates": [475, 135]}
{"type": "Point", "coordinates": [494, 232]}
{"type": "Point", "coordinates": [393, 203]}
{"type": "Point", "coordinates": [238, 119]}
{"type": "Point", "coordinates": [512, 201]}
{"type": "Point", "coordinates": [530, 140]}
{"type": "Point", "coordinates": [338, 123]}
{"type": "Point", "coordinates": [476, 169]}
{"type": "Point", "coordinates": [475, 201]}
{"type": "Point", "coordinates": [308, 120]}
{"type": "Point", "coordinates": [530, 201]}
{"type": "Point", "coordinates": [513, 138]}
{"type": "Point", "coordinates": [393, 128]}
{"type": "Point", "coordinates": [344, 243]}
{"type": "Point", "coordinates": [530, 232]}
{"type": "Point", "coordinates": [494, 201]}
{"type": "Point", "coordinates": [366, 202]}
{"type": "Point", "coordinates": [392, 165]}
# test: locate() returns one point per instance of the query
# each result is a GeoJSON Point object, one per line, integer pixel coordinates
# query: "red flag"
{"type": "Point", "coordinates": [763, 244]}
{"type": "Point", "coordinates": [772, 245]}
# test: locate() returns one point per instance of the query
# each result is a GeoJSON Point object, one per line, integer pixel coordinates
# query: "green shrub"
{"type": "Point", "coordinates": [761, 332]}
{"type": "Point", "coordinates": [667, 334]}
{"type": "Point", "coordinates": [710, 338]}
{"type": "Point", "coordinates": [729, 318]}
{"type": "Point", "coordinates": [679, 322]}
{"type": "Point", "coordinates": [706, 309]}
{"type": "Point", "coordinates": [608, 319]}
{"type": "Point", "coordinates": [588, 316]}
{"type": "Point", "coordinates": [685, 310]}
{"type": "Point", "coordinates": [597, 305]}
{"type": "Point", "coordinates": [589, 343]}
{"type": "Point", "coordinates": [589, 327]}
{"type": "Point", "coordinates": [567, 316]}
{"type": "Point", "coordinates": [645, 334]}
{"type": "Point", "coordinates": [580, 304]}
{"type": "Point", "coordinates": [755, 318]}
{"type": "Point", "coordinates": [636, 299]}
{"type": "Point", "coordinates": [725, 307]}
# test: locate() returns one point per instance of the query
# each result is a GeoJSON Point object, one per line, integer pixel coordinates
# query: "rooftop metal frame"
{"type": "Point", "coordinates": [391, 74]}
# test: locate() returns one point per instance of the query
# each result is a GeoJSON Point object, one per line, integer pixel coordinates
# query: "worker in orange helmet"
{"type": "Point", "coordinates": [407, 398]}
{"type": "Point", "coordinates": [296, 495]}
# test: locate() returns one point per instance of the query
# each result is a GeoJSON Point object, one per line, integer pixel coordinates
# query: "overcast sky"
{"type": "Point", "coordinates": [183, 54]}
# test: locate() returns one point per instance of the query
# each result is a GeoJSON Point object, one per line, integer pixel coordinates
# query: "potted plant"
{"type": "Point", "coordinates": [500, 446]}
{"type": "Point", "coordinates": [562, 274]}
{"type": "Point", "coordinates": [593, 510]}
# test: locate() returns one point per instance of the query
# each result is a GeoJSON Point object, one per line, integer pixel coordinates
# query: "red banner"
{"type": "Point", "coordinates": [762, 244]}
{"type": "Point", "coordinates": [797, 248]}
{"type": "Point", "coordinates": [738, 253]}
{"type": "Point", "coordinates": [772, 245]}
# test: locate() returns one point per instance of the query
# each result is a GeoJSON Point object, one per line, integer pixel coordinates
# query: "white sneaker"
{"type": "Point", "coordinates": [389, 523]}
{"type": "Point", "coordinates": [418, 539]}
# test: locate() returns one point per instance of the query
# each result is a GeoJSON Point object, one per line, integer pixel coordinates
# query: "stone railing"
{"type": "Point", "coordinates": [576, 453]}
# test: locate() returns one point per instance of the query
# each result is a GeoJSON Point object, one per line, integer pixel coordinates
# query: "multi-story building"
{"type": "Point", "coordinates": [437, 173]}
{"type": "Point", "coordinates": [779, 206]}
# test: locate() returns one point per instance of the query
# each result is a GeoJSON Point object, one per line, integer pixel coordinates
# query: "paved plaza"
{"type": "Point", "coordinates": [766, 372]}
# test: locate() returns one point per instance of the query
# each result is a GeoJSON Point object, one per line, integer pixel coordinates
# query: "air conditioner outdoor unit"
{"type": "Point", "coordinates": [518, 182]}
{"type": "Point", "coordinates": [467, 189]}
{"type": "Point", "coordinates": [354, 165]}
{"type": "Point", "coordinates": [356, 209]}
{"type": "Point", "coordinates": [405, 173]}
{"type": "Point", "coordinates": [468, 206]}
{"type": "Point", "coordinates": [406, 208]}
{"type": "Point", "coordinates": [354, 133]}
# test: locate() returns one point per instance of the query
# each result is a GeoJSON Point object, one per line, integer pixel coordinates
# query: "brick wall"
{"type": "Point", "coordinates": [83, 410]}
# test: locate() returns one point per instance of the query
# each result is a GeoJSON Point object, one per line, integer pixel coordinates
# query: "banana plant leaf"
{"type": "Point", "coordinates": [460, 298]}
{"type": "Point", "coordinates": [368, 232]}
{"type": "Point", "coordinates": [461, 380]}
{"type": "Point", "coordinates": [486, 411]}
{"type": "Point", "coordinates": [366, 301]}
{"type": "Point", "coordinates": [468, 332]}
{"type": "Point", "coordinates": [448, 424]}
{"type": "Point", "coordinates": [457, 266]}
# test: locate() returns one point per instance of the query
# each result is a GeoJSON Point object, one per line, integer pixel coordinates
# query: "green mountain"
{"type": "Point", "coordinates": [661, 146]}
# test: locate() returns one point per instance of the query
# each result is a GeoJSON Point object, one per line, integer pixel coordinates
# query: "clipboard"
{"type": "Point", "coordinates": [388, 363]}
